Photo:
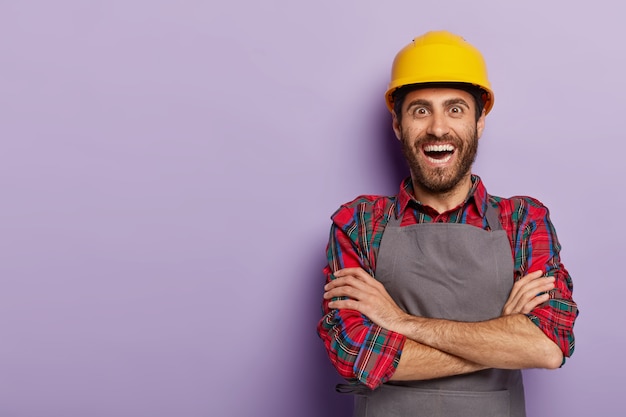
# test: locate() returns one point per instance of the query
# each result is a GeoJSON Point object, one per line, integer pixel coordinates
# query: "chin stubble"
{"type": "Point", "coordinates": [438, 180]}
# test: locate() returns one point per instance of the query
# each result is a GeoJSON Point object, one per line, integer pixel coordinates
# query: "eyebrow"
{"type": "Point", "coordinates": [428, 103]}
{"type": "Point", "coordinates": [419, 102]}
{"type": "Point", "coordinates": [456, 101]}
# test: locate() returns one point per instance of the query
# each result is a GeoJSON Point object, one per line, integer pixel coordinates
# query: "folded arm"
{"type": "Point", "coordinates": [510, 342]}
{"type": "Point", "coordinates": [419, 362]}
{"type": "Point", "coordinates": [535, 329]}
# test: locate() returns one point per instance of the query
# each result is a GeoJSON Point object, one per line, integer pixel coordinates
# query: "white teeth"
{"type": "Point", "coordinates": [439, 148]}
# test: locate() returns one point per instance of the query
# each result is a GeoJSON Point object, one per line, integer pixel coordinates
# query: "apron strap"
{"type": "Point", "coordinates": [354, 389]}
{"type": "Point", "coordinates": [493, 217]}
{"type": "Point", "coordinates": [394, 217]}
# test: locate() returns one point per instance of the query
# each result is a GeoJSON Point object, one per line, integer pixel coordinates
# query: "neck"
{"type": "Point", "coordinates": [443, 202]}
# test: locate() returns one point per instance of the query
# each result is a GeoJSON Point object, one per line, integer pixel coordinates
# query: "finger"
{"type": "Point", "coordinates": [535, 285]}
{"type": "Point", "coordinates": [344, 305]}
{"type": "Point", "coordinates": [344, 280]}
{"type": "Point", "coordinates": [530, 292]}
{"type": "Point", "coordinates": [360, 274]}
{"type": "Point", "coordinates": [535, 302]}
{"type": "Point", "coordinates": [528, 295]}
{"type": "Point", "coordinates": [530, 283]}
{"type": "Point", "coordinates": [348, 271]}
{"type": "Point", "coordinates": [535, 274]}
{"type": "Point", "coordinates": [520, 283]}
{"type": "Point", "coordinates": [348, 286]}
{"type": "Point", "coordinates": [344, 291]}
{"type": "Point", "coordinates": [527, 303]}
{"type": "Point", "coordinates": [528, 287]}
{"type": "Point", "coordinates": [529, 278]}
{"type": "Point", "coordinates": [350, 298]}
{"type": "Point", "coordinates": [356, 272]}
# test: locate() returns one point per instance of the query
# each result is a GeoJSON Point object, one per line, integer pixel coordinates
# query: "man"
{"type": "Point", "coordinates": [437, 297]}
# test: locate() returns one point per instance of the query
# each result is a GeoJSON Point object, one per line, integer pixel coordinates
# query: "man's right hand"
{"type": "Point", "coordinates": [527, 293]}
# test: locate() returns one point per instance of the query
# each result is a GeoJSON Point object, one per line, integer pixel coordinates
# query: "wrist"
{"type": "Point", "coordinates": [405, 324]}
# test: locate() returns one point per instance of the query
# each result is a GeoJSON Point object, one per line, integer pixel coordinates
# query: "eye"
{"type": "Point", "coordinates": [456, 109]}
{"type": "Point", "coordinates": [419, 111]}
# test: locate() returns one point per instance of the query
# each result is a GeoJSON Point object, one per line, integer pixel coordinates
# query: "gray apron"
{"type": "Point", "coordinates": [456, 272]}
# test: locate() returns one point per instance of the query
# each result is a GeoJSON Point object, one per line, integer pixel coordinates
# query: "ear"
{"type": "Point", "coordinates": [480, 124]}
{"type": "Point", "coordinates": [396, 126]}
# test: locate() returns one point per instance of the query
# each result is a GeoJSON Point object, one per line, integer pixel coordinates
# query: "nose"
{"type": "Point", "coordinates": [438, 125]}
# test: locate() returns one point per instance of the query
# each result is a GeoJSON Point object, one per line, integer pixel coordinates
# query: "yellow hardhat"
{"type": "Point", "coordinates": [439, 57]}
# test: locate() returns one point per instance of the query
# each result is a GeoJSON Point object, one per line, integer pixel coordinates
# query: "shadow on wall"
{"type": "Point", "coordinates": [391, 168]}
{"type": "Point", "coordinates": [322, 399]}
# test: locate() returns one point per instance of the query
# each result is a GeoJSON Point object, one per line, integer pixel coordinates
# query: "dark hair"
{"type": "Point", "coordinates": [400, 94]}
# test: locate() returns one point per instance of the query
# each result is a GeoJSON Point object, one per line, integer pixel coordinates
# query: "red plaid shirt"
{"type": "Point", "coordinates": [364, 352]}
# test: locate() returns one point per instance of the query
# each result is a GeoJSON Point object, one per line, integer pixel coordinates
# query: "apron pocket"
{"type": "Point", "coordinates": [397, 401]}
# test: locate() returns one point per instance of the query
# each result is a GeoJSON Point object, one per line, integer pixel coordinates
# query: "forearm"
{"type": "Point", "coordinates": [535, 234]}
{"type": "Point", "coordinates": [556, 317]}
{"type": "Point", "coordinates": [419, 362]}
{"type": "Point", "coordinates": [508, 342]}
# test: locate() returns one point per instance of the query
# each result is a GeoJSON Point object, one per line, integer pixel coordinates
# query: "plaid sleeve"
{"type": "Point", "coordinates": [360, 350]}
{"type": "Point", "coordinates": [537, 247]}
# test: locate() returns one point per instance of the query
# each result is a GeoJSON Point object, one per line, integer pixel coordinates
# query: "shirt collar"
{"type": "Point", "coordinates": [477, 195]}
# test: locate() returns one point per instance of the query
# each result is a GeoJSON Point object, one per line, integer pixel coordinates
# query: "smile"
{"type": "Point", "coordinates": [439, 154]}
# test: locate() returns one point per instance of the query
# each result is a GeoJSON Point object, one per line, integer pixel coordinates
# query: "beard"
{"type": "Point", "coordinates": [439, 179]}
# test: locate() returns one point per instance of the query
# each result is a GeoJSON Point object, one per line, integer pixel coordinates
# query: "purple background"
{"type": "Point", "coordinates": [168, 169]}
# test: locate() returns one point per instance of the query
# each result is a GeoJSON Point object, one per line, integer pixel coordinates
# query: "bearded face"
{"type": "Point", "coordinates": [438, 164]}
{"type": "Point", "coordinates": [439, 133]}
